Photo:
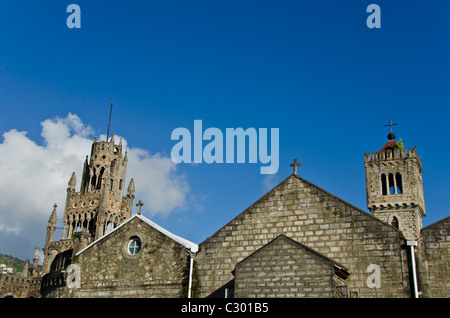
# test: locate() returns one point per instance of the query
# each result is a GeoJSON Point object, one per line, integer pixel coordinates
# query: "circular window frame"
{"type": "Point", "coordinates": [138, 245]}
{"type": "Point", "coordinates": [125, 247]}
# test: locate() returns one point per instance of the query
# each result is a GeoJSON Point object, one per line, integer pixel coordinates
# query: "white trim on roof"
{"type": "Point", "coordinates": [187, 244]}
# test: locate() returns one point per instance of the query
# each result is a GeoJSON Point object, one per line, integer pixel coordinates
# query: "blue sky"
{"type": "Point", "coordinates": [313, 69]}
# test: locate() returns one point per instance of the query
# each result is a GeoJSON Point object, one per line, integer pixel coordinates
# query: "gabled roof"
{"type": "Point", "coordinates": [437, 223]}
{"type": "Point", "coordinates": [390, 144]}
{"type": "Point", "coordinates": [316, 187]}
{"type": "Point", "coordinates": [187, 244]}
{"type": "Point", "coordinates": [340, 269]}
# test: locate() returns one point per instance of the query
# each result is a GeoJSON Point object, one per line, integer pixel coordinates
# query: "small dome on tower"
{"type": "Point", "coordinates": [391, 136]}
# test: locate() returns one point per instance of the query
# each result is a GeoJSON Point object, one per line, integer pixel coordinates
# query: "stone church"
{"type": "Point", "coordinates": [298, 240]}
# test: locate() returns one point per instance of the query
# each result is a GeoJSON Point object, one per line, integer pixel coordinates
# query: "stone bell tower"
{"type": "Point", "coordinates": [100, 205]}
{"type": "Point", "coordinates": [394, 186]}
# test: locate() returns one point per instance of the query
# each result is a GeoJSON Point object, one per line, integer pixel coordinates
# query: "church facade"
{"type": "Point", "coordinates": [385, 254]}
{"type": "Point", "coordinates": [298, 240]}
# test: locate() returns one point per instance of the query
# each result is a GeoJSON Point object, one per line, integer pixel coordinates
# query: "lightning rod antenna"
{"type": "Point", "coordinates": [109, 123]}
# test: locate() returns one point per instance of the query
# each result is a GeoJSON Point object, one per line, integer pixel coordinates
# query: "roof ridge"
{"type": "Point", "coordinates": [435, 223]}
{"type": "Point", "coordinates": [350, 205]}
{"type": "Point", "coordinates": [313, 185]}
{"type": "Point", "coordinates": [193, 247]}
{"type": "Point", "coordinates": [242, 212]}
{"type": "Point", "coordinates": [188, 244]}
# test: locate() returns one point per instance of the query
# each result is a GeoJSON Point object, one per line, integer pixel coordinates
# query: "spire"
{"type": "Point", "coordinates": [25, 268]}
{"type": "Point", "coordinates": [50, 228]}
{"type": "Point", "coordinates": [131, 188]}
{"type": "Point", "coordinates": [72, 182]}
{"type": "Point", "coordinates": [36, 258]}
{"type": "Point", "coordinates": [52, 218]}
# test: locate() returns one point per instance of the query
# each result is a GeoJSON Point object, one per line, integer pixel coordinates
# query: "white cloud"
{"type": "Point", "coordinates": [269, 181]}
{"type": "Point", "coordinates": [34, 177]}
{"type": "Point", "coordinates": [156, 185]}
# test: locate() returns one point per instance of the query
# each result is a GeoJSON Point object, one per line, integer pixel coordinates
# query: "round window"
{"type": "Point", "coordinates": [134, 246]}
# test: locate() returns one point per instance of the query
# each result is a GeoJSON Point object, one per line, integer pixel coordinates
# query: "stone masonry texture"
{"type": "Point", "coordinates": [434, 260]}
{"type": "Point", "coordinates": [284, 268]}
{"type": "Point", "coordinates": [319, 220]}
{"type": "Point", "coordinates": [108, 270]}
{"type": "Point", "coordinates": [298, 240]}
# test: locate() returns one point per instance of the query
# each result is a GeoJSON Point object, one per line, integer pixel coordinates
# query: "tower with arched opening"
{"type": "Point", "coordinates": [394, 187]}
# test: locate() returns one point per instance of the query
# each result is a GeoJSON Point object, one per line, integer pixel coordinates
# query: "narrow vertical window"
{"type": "Point", "coordinates": [111, 185]}
{"type": "Point", "coordinates": [391, 184]}
{"type": "Point", "coordinates": [93, 181]}
{"type": "Point", "coordinates": [398, 181]}
{"type": "Point", "coordinates": [383, 184]}
{"type": "Point", "coordinates": [100, 178]}
{"type": "Point", "coordinates": [108, 227]}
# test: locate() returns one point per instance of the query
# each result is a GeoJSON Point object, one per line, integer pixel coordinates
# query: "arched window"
{"type": "Point", "coordinates": [100, 178]}
{"type": "Point", "coordinates": [383, 184]}
{"type": "Point", "coordinates": [391, 184]}
{"type": "Point", "coordinates": [109, 227]}
{"type": "Point", "coordinates": [93, 181]}
{"type": "Point", "coordinates": [394, 222]}
{"type": "Point", "coordinates": [398, 181]}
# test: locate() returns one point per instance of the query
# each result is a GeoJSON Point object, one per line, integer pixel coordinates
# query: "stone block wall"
{"type": "Point", "coordinates": [319, 220]}
{"type": "Point", "coordinates": [409, 220]}
{"type": "Point", "coordinates": [108, 270]}
{"type": "Point", "coordinates": [284, 269]}
{"type": "Point", "coordinates": [407, 203]}
{"type": "Point", "coordinates": [433, 260]}
{"type": "Point", "coordinates": [407, 163]}
{"type": "Point", "coordinates": [19, 287]}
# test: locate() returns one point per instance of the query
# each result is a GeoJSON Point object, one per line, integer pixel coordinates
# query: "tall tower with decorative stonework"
{"type": "Point", "coordinates": [100, 205]}
{"type": "Point", "coordinates": [97, 208]}
{"type": "Point", "coordinates": [394, 186]}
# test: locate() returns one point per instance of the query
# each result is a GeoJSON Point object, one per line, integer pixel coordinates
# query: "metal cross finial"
{"type": "Point", "coordinates": [390, 124]}
{"type": "Point", "coordinates": [139, 205]}
{"type": "Point", "coordinates": [295, 164]}
{"type": "Point", "coordinates": [55, 206]}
